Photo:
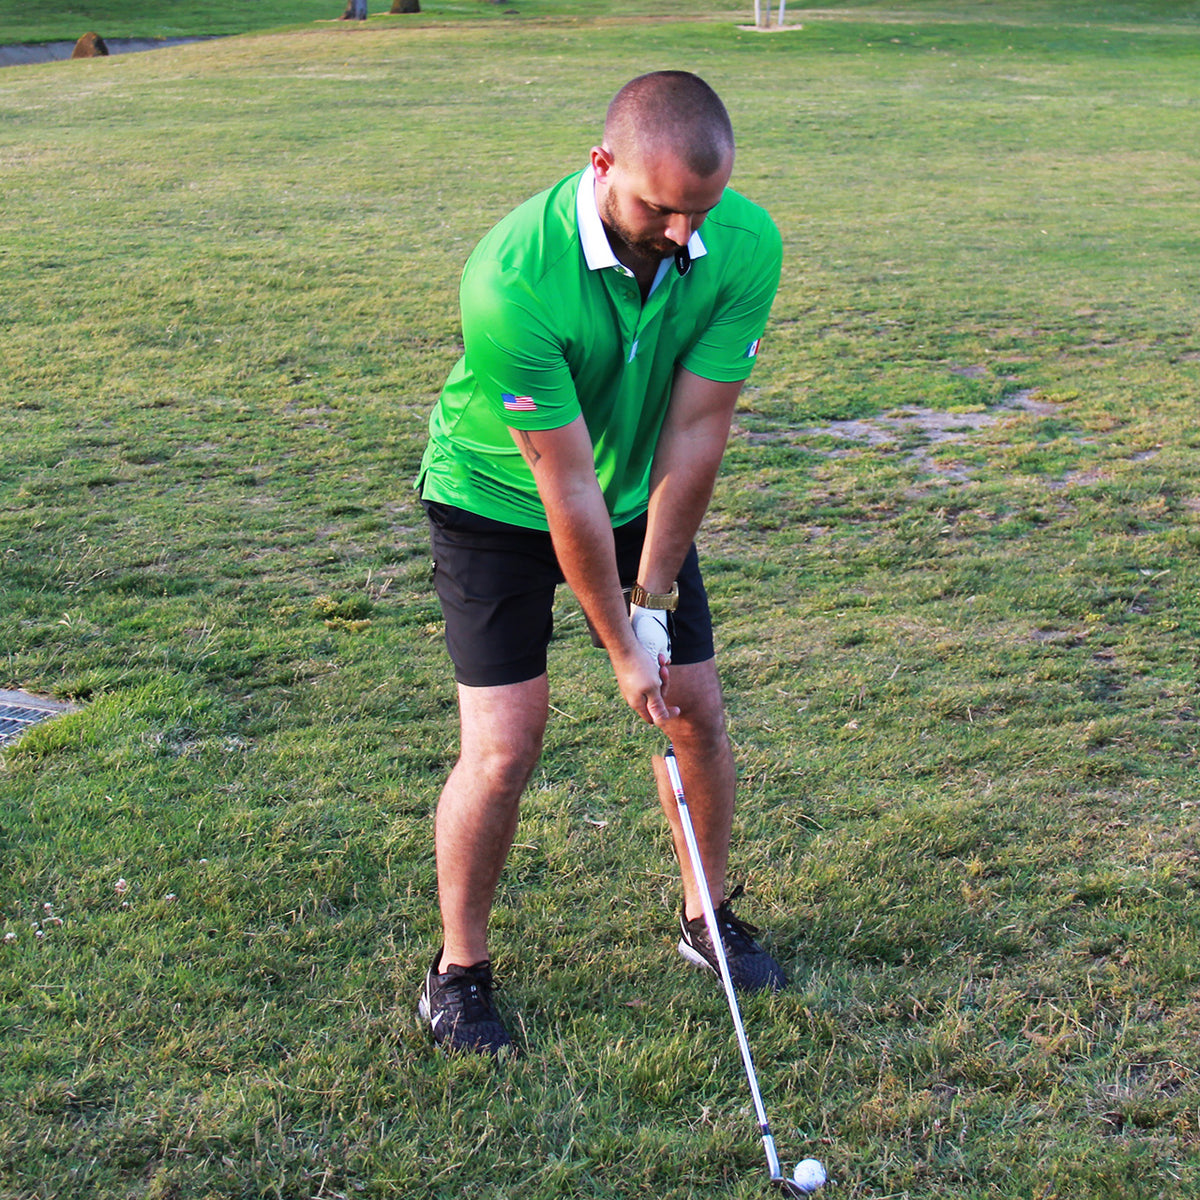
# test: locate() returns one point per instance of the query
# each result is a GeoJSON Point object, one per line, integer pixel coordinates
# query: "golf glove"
{"type": "Point", "coordinates": [650, 628]}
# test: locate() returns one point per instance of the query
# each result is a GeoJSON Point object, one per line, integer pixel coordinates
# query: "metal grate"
{"type": "Point", "coordinates": [19, 712]}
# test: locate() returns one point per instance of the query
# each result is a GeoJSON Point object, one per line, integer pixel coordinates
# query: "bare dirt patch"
{"type": "Point", "coordinates": [929, 427]}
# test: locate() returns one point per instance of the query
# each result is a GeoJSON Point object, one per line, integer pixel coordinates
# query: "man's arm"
{"type": "Point", "coordinates": [686, 461]}
{"type": "Point", "coordinates": [564, 469]}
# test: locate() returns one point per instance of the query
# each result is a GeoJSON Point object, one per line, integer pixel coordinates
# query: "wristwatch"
{"type": "Point", "coordinates": [661, 600]}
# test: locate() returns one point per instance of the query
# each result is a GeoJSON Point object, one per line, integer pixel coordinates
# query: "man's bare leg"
{"type": "Point", "coordinates": [706, 765]}
{"type": "Point", "coordinates": [501, 740]}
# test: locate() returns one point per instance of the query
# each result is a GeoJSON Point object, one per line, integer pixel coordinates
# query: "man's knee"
{"type": "Point", "coordinates": [701, 706]}
{"type": "Point", "coordinates": [502, 732]}
{"type": "Point", "coordinates": [504, 764]}
{"type": "Point", "coordinates": [701, 729]}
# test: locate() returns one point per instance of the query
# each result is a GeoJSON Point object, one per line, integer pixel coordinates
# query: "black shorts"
{"type": "Point", "coordinates": [496, 586]}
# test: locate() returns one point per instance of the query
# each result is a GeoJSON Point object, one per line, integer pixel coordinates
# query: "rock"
{"type": "Point", "coordinates": [91, 45]}
{"type": "Point", "coordinates": [406, 6]}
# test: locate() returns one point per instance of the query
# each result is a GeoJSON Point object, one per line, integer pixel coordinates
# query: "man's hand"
{"type": "Point", "coordinates": [643, 682]}
{"type": "Point", "coordinates": [650, 628]}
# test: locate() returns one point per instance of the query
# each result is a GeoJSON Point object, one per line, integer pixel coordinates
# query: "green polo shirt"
{"type": "Point", "coordinates": [554, 327]}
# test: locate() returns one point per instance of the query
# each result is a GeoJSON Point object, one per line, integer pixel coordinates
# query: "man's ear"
{"type": "Point", "coordinates": [602, 162]}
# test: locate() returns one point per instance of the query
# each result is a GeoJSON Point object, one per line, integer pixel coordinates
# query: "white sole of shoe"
{"type": "Point", "coordinates": [695, 958]}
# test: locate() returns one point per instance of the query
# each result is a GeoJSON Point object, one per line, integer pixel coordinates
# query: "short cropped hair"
{"type": "Point", "coordinates": [670, 111]}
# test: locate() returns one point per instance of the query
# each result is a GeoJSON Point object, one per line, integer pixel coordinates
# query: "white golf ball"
{"type": "Point", "coordinates": [809, 1175]}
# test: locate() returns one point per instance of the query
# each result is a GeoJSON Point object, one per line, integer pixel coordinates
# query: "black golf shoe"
{"type": "Point", "coordinates": [458, 1008]}
{"type": "Point", "coordinates": [751, 968]}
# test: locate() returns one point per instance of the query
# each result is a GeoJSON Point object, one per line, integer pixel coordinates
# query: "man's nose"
{"type": "Point", "coordinates": [679, 228]}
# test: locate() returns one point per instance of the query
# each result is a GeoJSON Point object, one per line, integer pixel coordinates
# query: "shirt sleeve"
{"type": "Point", "coordinates": [727, 349]}
{"type": "Point", "coordinates": [513, 351]}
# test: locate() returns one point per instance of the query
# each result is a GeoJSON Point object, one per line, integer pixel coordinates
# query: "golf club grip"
{"type": "Point", "coordinates": [710, 919]}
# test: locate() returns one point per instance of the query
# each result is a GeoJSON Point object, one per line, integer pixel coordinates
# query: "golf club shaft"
{"type": "Point", "coordinates": [714, 932]}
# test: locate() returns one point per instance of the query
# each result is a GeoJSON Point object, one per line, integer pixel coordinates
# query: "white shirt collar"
{"type": "Point", "coordinates": [597, 251]}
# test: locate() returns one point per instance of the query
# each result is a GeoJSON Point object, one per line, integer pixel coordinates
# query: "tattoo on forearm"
{"type": "Point", "coordinates": [528, 451]}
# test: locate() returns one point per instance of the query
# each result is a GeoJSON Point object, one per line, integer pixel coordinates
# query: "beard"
{"type": "Point", "coordinates": [644, 246]}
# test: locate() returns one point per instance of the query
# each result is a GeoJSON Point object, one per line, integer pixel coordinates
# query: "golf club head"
{"type": "Point", "coordinates": [789, 1187]}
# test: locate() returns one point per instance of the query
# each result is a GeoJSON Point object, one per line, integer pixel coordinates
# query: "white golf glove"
{"type": "Point", "coordinates": [650, 628]}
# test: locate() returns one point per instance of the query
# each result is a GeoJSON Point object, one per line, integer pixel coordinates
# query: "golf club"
{"type": "Point", "coordinates": [778, 1178]}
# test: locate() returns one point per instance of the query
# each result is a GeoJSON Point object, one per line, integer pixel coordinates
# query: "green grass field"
{"type": "Point", "coordinates": [952, 557]}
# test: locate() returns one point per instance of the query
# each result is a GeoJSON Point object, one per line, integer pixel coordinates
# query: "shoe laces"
{"type": "Point", "coordinates": [731, 924]}
{"type": "Point", "coordinates": [468, 991]}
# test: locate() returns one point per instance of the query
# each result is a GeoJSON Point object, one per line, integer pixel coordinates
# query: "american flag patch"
{"type": "Point", "coordinates": [518, 403]}
{"type": "Point", "coordinates": [752, 349]}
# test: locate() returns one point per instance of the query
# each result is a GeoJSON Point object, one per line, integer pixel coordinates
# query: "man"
{"type": "Point", "coordinates": [578, 439]}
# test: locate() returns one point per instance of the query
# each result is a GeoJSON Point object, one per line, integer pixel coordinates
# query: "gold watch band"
{"type": "Point", "coordinates": [661, 600]}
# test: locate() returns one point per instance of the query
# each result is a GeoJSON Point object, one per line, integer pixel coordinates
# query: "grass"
{"type": "Point", "coordinates": [959, 656]}
{"type": "Point", "coordinates": [164, 19]}
{"type": "Point", "coordinates": [19, 22]}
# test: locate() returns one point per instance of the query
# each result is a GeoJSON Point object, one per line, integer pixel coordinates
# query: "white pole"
{"type": "Point", "coordinates": [781, 5]}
